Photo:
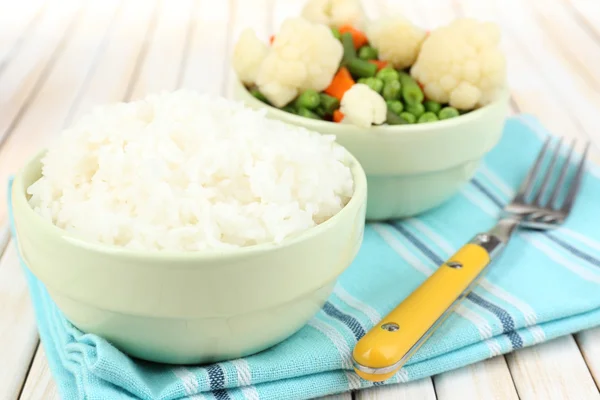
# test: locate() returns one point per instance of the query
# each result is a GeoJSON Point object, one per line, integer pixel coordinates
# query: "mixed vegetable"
{"type": "Point", "coordinates": [330, 64]}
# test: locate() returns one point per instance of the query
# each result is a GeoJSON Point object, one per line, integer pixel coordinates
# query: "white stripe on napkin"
{"type": "Point", "coordinates": [500, 184]}
{"type": "Point", "coordinates": [188, 379]}
{"type": "Point", "coordinates": [244, 379]}
{"type": "Point", "coordinates": [369, 311]}
{"type": "Point", "coordinates": [549, 251]}
{"type": "Point", "coordinates": [336, 338]}
{"type": "Point", "coordinates": [541, 132]}
{"type": "Point", "coordinates": [484, 328]}
{"type": "Point", "coordinates": [354, 382]}
{"type": "Point", "coordinates": [484, 206]}
{"type": "Point", "coordinates": [384, 231]}
{"type": "Point", "coordinates": [497, 181]}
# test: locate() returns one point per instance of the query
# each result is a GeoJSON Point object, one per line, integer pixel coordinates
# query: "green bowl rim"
{"type": "Point", "coordinates": [357, 200]}
{"type": "Point", "coordinates": [384, 130]}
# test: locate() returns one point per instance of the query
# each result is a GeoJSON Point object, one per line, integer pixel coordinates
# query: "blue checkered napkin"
{"type": "Point", "coordinates": [544, 286]}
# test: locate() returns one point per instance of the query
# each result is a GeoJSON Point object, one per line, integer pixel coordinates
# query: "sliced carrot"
{"type": "Point", "coordinates": [341, 82]}
{"type": "Point", "coordinates": [380, 64]}
{"type": "Point", "coordinates": [338, 116]}
{"type": "Point", "coordinates": [358, 37]}
{"type": "Point", "coordinates": [271, 39]}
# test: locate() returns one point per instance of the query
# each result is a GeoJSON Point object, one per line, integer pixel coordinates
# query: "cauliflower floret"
{"type": "Point", "coordinates": [461, 64]}
{"type": "Point", "coordinates": [362, 106]}
{"type": "Point", "coordinates": [334, 12]}
{"type": "Point", "coordinates": [397, 40]}
{"type": "Point", "coordinates": [303, 56]}
{"type": "Point", "coordinates": [248, 54]}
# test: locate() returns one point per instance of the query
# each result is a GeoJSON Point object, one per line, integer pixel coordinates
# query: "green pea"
{"type": "Point", "coordinates": [395, 106]}
{"type": "Point", "coordinates": [373, 83]}
{"type": "Point", "coordinates": [416, 109]}
{"type": "Point", "coordinates": [361, 68]}
{"type": "Point", "coordinates": [290, 109]}
{"type": "Point", "coordinates": [387, 74]}
{"type": "Point", "coordinates": [328, 103]}
{"type": "Point", "coordinates": [408, 117]}
{"type": "Point", "coordinates": [308, 99]}
{"type": "Point", "coordinates": [432, 106]}
{"type": "Point", "coordinates": [367, 53]}
{"type": "Point", "coordinates": [394, 119]}
{"type": "Point", "coordinates": [427, 117]}
{"type": "Point", "coordinates": [305, 112]}
{"type": "Point", "coordinates": [336, 33]}
{"type": "Point", "coordinates": [256, 93]}
{"type": "Point", "coordinates": [391, 90]}
{"type": "Point", "coordinates": [448, 112]}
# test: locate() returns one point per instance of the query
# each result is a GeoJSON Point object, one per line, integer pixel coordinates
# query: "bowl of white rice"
{"type": "Point", "coordinates": [187, 229]}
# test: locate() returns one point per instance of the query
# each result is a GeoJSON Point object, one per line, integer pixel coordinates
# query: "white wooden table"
{"type": "Point", "coordinates": [60, 57]}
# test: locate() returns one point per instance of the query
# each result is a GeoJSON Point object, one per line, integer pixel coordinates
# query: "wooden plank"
{"type": "Point", "coordinates": [282, 10]}
{"type": "Point", "coordinates": [579, 51]}
{"type": "Point", "coordinates": [17, 20]}
{"type": "Point", "coordinates": [109, 83]}
{"type": "Point", "coordinates": [552, 370]}
{"type": "Point", "coordinates": [587, 14]}
{"type": "Point", "coordinates": [417, 390]}
{"type": "Point", "coordinates": [18, 334]}
{"type": "Point", "coordinates": [589, 345]}
{"type": "Point", "coordinates": [25, 74]}
{"type": "Point", "coordinates": [40, 384]}
{"type": "Point", "coordinates": [343, 396]}
{"type": "Point", "coordinates": [161, 68]}
{"type": "Point", "coordinates": [489, 379]}
{"type": "Point", "coordinates": [577, 97]}
{"type": "Point", "coordinates": [121, 60]}
{"type": "Point", "coordinates": [531, 89]}
{"type": "Point", "coordinates": [204, 69]}
{"type": "Point", "coordinates": [47, 112]}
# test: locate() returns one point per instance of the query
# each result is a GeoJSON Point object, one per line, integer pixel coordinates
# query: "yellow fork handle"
{"type": "Point", "coordinates": [386, 347]}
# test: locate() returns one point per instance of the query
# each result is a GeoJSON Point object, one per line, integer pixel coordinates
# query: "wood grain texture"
{"type": "Point", "coordinates": [40, 384]}
{"type": "Point", "coordinates": [343, 396]}
{"type": "Point", "coordinates": [488, 380]}
{"type": "Point", "coordinates": [205, 67]}
{"type": "Point", "coordinates": [162, 64]}
{"type": "Point", "coordinates": [552, 370]}
{"type": "Point", "coordinates": [50, 105]}
{"type": "Point", "coordinates": [18, 334]}
{"type": "Point", "coordinates": [417, 390]}
{"type": "Point", "coordinates": [589, 345]}
{"type": "Point", "coordinates": [59, 58]}
{"type": "Point", "coordinates": [17, 20]}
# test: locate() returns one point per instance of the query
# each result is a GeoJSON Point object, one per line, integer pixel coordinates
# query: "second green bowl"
{"type": "Point", "coordinates": [410, 168]}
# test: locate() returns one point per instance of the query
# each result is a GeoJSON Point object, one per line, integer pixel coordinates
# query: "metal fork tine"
{"type": "Point", "coordinates": [548, 175]}
{"type": "Point", "coordinates": [574, 187]}
{"type": "Point", "coordinates": [562, 176]}
{"type": "Point", "coordinates": [529, 182]}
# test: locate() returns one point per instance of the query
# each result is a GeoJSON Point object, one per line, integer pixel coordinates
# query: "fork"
{"type": "Point", "coordinates": [391, 343]}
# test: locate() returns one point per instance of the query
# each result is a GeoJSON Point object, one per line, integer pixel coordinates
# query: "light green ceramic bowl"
{"type": "Point", "coordinates": [190, 307]}
{"type": "Point", "coordinates": [411, 168]}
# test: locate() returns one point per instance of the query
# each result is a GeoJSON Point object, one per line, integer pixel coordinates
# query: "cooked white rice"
{"type": "Point", "coordinates": [184, 171]}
